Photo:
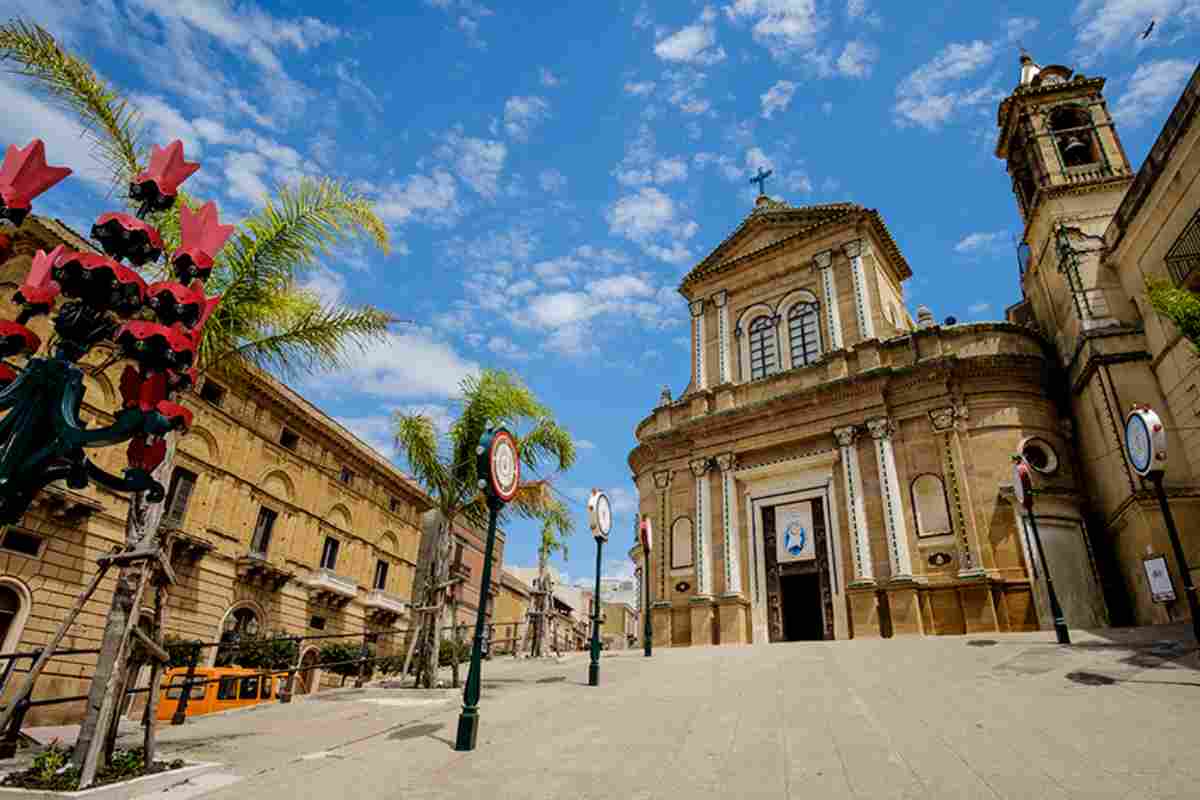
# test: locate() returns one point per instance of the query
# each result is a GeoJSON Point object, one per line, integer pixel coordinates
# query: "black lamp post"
{"type": "Point", "coordinates": [1023, 486]}
{"type": "Point", "coordinates": [644, 529]}
{"type": "Point", "coordinates": [499, 468]}
{"type": "Point", "coordinates": [600, 520]}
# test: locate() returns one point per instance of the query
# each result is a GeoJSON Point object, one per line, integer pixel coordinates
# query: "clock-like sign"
{"type": "Point", "coordinates": [1145, 441]}
{"type": "Point", "coordinates": [599, 515]}
{"type": "Point", "coordinates": [504, 465]}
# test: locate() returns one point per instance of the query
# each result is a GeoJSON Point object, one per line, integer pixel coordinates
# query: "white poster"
{"type": "Point", "coordinates": [794, 533]}
{"type": "Point", "coordinates": [1161, 588]}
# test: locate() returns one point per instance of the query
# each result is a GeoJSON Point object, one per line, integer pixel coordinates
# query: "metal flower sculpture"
{"type": "Point", "coordinates": [157, 327]}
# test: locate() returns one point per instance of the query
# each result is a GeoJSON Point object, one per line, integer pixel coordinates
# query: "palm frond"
{"type": "Point", "coordinates": [416, 439]}
{"type": "Point", "coordinates": [113, 125]}
{"type": "Point", "coordinates": [547, 440]}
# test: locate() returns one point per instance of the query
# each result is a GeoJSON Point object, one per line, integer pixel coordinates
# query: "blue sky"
{"type": "Point", "coordinates": [550, 171]}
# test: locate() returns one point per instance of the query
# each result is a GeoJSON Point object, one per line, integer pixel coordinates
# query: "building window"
{"type": "Point", "coordinates": [212, 392]}
{"type": "Point", "coordinates": [929, 506]}
{"type": "Point", "coordinates": [289, 439]}
{"type": "Point", "coordinates": [19, 541]}
{"type": "Point", "coordinates": [317, 623]}
{"type": "Point", "coordinates": [260, 543]}
{"type": "Point", "coordinates": [681, 543]}
{"type": "Point", "coordinates": [10, 607]}
{"type": "Point", "coordinates": [804, 334]}
{"type": "Point", "coordinates": [394, 505]}
{"type": "Point", "coordinates": [762, 347]}
{"type": "Point", "coordinates": [381, 571]}
{"type": "Point", "coordinates": [329, 553]}
{"type": "Point", "coordinates": [182, 483]}
{"type": "Point", "coordinates": [346, 476]}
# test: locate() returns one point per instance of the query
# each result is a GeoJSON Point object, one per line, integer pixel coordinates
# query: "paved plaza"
{"type": "Point", "coordinates": [1116, 715]}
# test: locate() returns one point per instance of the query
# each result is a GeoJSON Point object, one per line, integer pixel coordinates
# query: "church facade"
{"type": "Point", "coordinates": [835, 469]}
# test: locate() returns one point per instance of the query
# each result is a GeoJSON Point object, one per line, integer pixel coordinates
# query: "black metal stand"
{"type": "Point", "coordinates": [1060, 623]}
{"type": "Point", "coordinates": [1185, 572]}
{"type": "Point", "coordinates": [649, 648]}
{"type": "Point", "coordinates": [468, 720]}
{"type": "Point", "coordinates": [594, 666]}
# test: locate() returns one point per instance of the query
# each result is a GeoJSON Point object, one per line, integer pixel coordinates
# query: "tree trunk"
{"type": "Point", "coordinates": [429, 646]}
{"type": "Point", "coordinates": [545, 603]}
{"type": "Point", "coordinates": [141, 530]}
{"type": "Point", "coordinates": [454, 639]}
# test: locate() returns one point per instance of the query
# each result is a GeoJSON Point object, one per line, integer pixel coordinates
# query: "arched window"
{"type": "Point", "coordinates": [762, 347]}
{"type": "Point", "coordinates": [1074, 136]}
{"type": "Point", "coordinates": [804, 334]}
{"type": "Point", "coordinates": [10, 607]}
{"type": "Point", "coordinates": [15, 603]}
{"type": "Point", "coordinates": [681, 543]}
{"type": "Point", "coordinates": [929, 506]}
{"type": "Point", "coordinates": [241, 623]}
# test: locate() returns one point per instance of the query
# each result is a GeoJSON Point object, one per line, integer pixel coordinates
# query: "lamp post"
{"type": "Point", "coordinates": [644, 530]}
{"type": "Point", "coordinates": [600, 520]}
{"type": "Point", "coordinates": [499, 467]}
{"type": "Point", "coordinates": [1146, 445]}
{"type": "Point", "coordinates": [1023, 487]}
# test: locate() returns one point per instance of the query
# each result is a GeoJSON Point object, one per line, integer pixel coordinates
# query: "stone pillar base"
{"type": "Point", "coordinates": [864, 613]}
{"type": "Point", "coordinates": [904, 607]}
{"type": "Point", "coordinates": [978, 608]}
{"type": "Point", "coordinates": [660, 619]}
{"type": "Point", "coordinates": [734, 616]}
{"type": "Point", "coordinates": [701, 609]}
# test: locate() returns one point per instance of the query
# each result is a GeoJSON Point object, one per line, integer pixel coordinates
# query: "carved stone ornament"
{"type": "Point", "coordinates": [697, 307]}
{"type": "Point", "coordinates": [845, 436]}
{"type": "Point", "coordinates": [823, 259]}
{"type": "Point", "coordinates": [664, 398]}
{"type": "Point", "coordinates": [719, 298]}
{"type": "Point", "coordinates": [662, 479]}
{"type": "Point", "coordinates": [699, 466]}
{"type": "Point", "coordinates": [943, 419]}
{"type": "Point", "coordinates": [881, 427]}
{"type": "Point", "coordinates": [853, 249]}
{"type": "Point", "coordinates": [726, 462]}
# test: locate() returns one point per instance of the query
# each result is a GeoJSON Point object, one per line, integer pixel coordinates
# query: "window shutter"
{"type": "Point", "coordinates": [185, 482]}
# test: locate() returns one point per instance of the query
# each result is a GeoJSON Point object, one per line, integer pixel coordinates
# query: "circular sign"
{"type": "Point", "coordinates": [1145, 441]}
{"type": "Point", "coordinates": [1022, 484]}
{"type": "Point", "coordinates": [646, 534]}
{"type": "Point", "coordinates": [504, 465]}
{"type": "Point", "coordinates": [599, 514]}
{"type": "Point", "coordinates": [682, 586]}
{"type": "Point", "coordinates": [939, 559]}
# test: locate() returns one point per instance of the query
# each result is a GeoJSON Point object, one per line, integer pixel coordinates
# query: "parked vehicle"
{"type": "Point", "coordinates": [223, 688]}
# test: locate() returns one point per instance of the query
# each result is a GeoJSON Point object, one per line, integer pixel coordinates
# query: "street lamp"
{"type": "Point", "coordinates": [1023, 487]}
{"type": "Point", "coordinates": [499, 466]}
{"type": "Point", "coordinates": [600, 521]}
{"type": "Point", "coordinates": [1146, 445]}
{"type": "Point", "coordinates": [645, 531]}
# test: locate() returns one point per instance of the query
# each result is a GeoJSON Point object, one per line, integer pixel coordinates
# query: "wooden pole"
{"type": "Point", "coordinates": [150, 715]}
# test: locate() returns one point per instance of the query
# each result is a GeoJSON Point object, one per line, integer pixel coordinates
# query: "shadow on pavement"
{"type": "Point", "coordinates": [1096, 679]}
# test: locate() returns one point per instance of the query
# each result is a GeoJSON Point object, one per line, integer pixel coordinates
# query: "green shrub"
{"type": "Point", "coordinates": [335, 653]}
{"type": "Point", "coordinates": [1178, 305]}
{"type": "Point", "coordinates": [270, 652]}
{"type": "Point", "coordinates": [446, 652]}
{"type": "Point", "coordinates": [180, 650]}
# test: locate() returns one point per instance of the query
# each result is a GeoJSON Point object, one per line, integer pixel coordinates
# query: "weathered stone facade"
{"type": "Point", "coordinates": [259, 457]}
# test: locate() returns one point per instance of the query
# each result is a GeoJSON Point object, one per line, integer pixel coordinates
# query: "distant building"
{"type": "Point", "coordinates": [466, 563]}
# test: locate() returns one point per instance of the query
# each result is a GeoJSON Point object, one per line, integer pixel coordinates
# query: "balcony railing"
{"type": "Point", "coordinates": [381, 601]}
{"type": "Point", "coordinates": [1183, 258]}
{"type": "Point", "coordinates": [326, 585]}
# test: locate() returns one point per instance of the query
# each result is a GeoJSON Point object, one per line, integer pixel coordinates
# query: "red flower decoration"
{"type": "Point", "coordinates": [179, 417]}
{"type": "Point", "coordinates": [142, 390]}
{"type": "Point", "coordinates": [39, 292]}
{"type": "Point", "coordinates": [146, 454]}
{"type": "Point", "coordinates": [16, 338]}
{"type": "Point", "coordinates": [156, 346]}
{"type": "Point", "coordinates": [23, 176]}
{"type": "Point", "coordinates": [5, 247]}
{"type": "Point", "coordinates": [7, 375]}
{"type": "Point", "coordinates": [123, 236]}
{"type": "Point", "coordinates": [201, 237]}
{"type": "Point", "coordinates": [99, 280]}
{"type": "Point", "coordinates": [157, 186]}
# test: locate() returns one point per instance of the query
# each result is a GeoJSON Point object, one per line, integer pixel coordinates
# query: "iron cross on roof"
{"type": "Point", "coordinates": [761, 179]}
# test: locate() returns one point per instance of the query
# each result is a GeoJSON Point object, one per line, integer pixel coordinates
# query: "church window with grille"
{"type": "Point", "coordinates": [762, 347]}
{"type": "Point", "coordinates": [804, 334]}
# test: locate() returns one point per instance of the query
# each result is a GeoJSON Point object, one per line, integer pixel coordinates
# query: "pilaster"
{"type": "Point", "coordinates": [662, 485]}
{"type": "Point", "coordinates": [864, 570]}
{"type": "Point", "coordinates": [727, 463]}
{"type": "Point", "coordinates": [862, 294]}
{"type": "Point", "coordinates": [882, 429]}
{"type": "Point", "coordinates": [720, 300]}
{"type": "Point", "coordinates": [948, 422]}
{"type": "Point", "coordinates": [703, 528]}
{"type": "Point", "coordinates": [698, 343]}
{"type": "Point", "coordinates": [823, 262]}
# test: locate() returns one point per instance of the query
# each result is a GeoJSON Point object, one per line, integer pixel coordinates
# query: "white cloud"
{"type": "Point", "coordinates": [478, 162]}
{"type": "Point", "coordinates": [552, 181]}
{"type": "Point", "coordinates": [1018, 27]}
{"type": "Point", "coordinates": [327, 285]}
{"type": "Point", "coordinates": [165, 123]}
{"type": "Point", "coordinates": [423, 197]}
{"type": "Point", "coordinates": [693, 44]}
{"type": "Point", "coordinates": [784, 27]}
{"type": "Point", "coordinates": [857, 59]}
{"type": "Point", "coordinates": [508, 348]}
{"type": "Point", "coordinates": [827, 107]}
{"type": "Point", "coordinates": [1153, 85]}
{"type": "Point", "coordinates": [642, 164]}
{"type": "Point", "coordinates": [523, 114]}
{"type": "Point", "coordinates": [975, 309]}
{"type": "Point", "coordinates": [856, 9]}
{"type": "Point", "coordinates": [684, 87]}
{"type": "Point", "coordinates": [466, 15]}
{"type": "Point", "coordinates": [549, 79]}
{"type": "Point", "coordinates": [650, 214]}
{"type": "Point", "coordinates": [980, 241]}
{"type": "Point", "coordinates": [244, 177]}
{"type": "Point", "coordinates": [639, 88]}
{"type": "Point", "coordinates": [1104, 25]}
{"type": "Point", "coordinates": [412, 364]}
{"type": "Point", "coordinates": [923, 97]}
{"type": "Point", "coordinates": [777, 98]}
{"type": "Point", "coordinates": [584, 444]}
{"type": "Point", "coordinates": [375, 430]}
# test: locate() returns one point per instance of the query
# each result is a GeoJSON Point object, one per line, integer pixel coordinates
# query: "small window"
{"type": "Point", "coordinates": [762, 347]}
{"type": "Point", "coordinates": [227, 689]}
{"type": "Point", "coordinates": [289, 439]}
{"type": "Point", "coordinates": [394, 505]}
{"type": "Point", "coordinates": [681, 543]}
{"type": "Point", "coordinates": [261, 541]}
{"type": "Point", "coordinates": [329, 553]}
{"type": "Point", "coordinates": [21, 542]}
{"type": "Point", "coordinates": [317, 623]}
{"type": "Point", "coordinates": [175, 689]}
{"type": "Point", "coordinates": [249, 688]}
{"type": "Point", "coordinates": [266, 688]}
{"type": "Point", "coordinates": [212, 392]}
{"type": "Point", "coordinates": [381, 572]}
{"type": "Point", "coordinates": [1040, 455]}
{"type": "Point", "coordinates": [183, 483]}
{"type": "Point", "coordinates": [803, 334]}
{"type": "Point", "coordinates": [930, 507]}
{"type": "Point", "coordinates": [347, 476]}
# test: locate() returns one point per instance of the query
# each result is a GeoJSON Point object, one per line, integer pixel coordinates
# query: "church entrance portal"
{"type": "Point", "coordinates": [802, 618]}
{"type": "Point", "coordinates": [799, 602]}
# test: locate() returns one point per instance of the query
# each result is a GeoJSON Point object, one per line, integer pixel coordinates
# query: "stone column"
{"type": "Point", "coordinates": [864, 568]}
{"type": "Point", "coordinates": [862, 295]}
{"type": "Point", "coordinates": [833, 317]}
{"type": "Point", "coordinates": [948, 423]}
{"type": "Point", "coordinates": [698, 366]}
{"type": "Point", "coordinates": [727, 462]}
{"type": "Point", "coordinates": [702, 532]}
{"type": "Point", "coordinates": [724, 365]}
{"type": "Point", "coordinates": [882, 430]}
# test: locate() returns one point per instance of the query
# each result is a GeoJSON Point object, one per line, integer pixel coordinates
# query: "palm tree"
{"type": "Point", "coordinates": [553, 540]}
{"type": "Point", "coordinates": [445, 466]}
{"type": "Point", "coordinates": [266, 320]}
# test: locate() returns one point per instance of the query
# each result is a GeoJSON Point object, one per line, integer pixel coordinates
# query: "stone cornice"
{"type": "Point", "coordinates": [1004, 118]}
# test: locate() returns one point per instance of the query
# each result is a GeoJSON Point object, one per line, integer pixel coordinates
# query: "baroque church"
{"type": "Point", "coordinates": [836, 470]}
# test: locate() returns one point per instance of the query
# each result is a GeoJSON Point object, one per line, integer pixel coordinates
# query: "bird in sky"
{"type": "Point", "coordinates": [1149, 28]}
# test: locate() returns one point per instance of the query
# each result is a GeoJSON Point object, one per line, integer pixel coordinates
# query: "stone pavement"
{"type": "Point", "coordinates": [1116, 715]}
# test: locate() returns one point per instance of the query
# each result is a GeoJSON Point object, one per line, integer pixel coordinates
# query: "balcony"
{"type": "Point", "coordinates": [1183, 258]}
{"type": "Point", "coordinates": [460, 569]}
{"type": "Point", "coordinates": [256, 570]}
{"type": "Point", "coordinates": [384, 607]}
{"type": "Point", "coordinates": [328, 588]}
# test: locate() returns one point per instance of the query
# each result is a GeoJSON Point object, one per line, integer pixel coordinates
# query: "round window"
{"type": "Point", "coordinates": [1039, 455]}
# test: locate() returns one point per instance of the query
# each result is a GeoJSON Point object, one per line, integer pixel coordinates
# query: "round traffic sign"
{"type": "Point", "coordinates": [1145, 441]}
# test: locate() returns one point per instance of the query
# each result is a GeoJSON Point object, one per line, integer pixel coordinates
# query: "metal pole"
{"type": "Point", "coordinates": [594, 667]}
{"type": "Point", "coordinates": [1189, 588]}
{"type": "Point", "coordinates": [646, 608]}
{"type": "Point", "coordinates": [1060, 623]}
{"type": "Point", "coordinates": [468, 720]}
{"type": "Point", "coordinates": [180, 715]}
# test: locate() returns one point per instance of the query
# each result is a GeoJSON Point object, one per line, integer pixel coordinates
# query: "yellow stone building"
{"type": "Point", "coordinates": [835, 470]}
{"type": "Point", "coordinates": [285, 520]}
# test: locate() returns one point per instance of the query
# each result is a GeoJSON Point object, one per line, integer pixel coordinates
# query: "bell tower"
{"type": "Point", "coordinates": [1069, 173]}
